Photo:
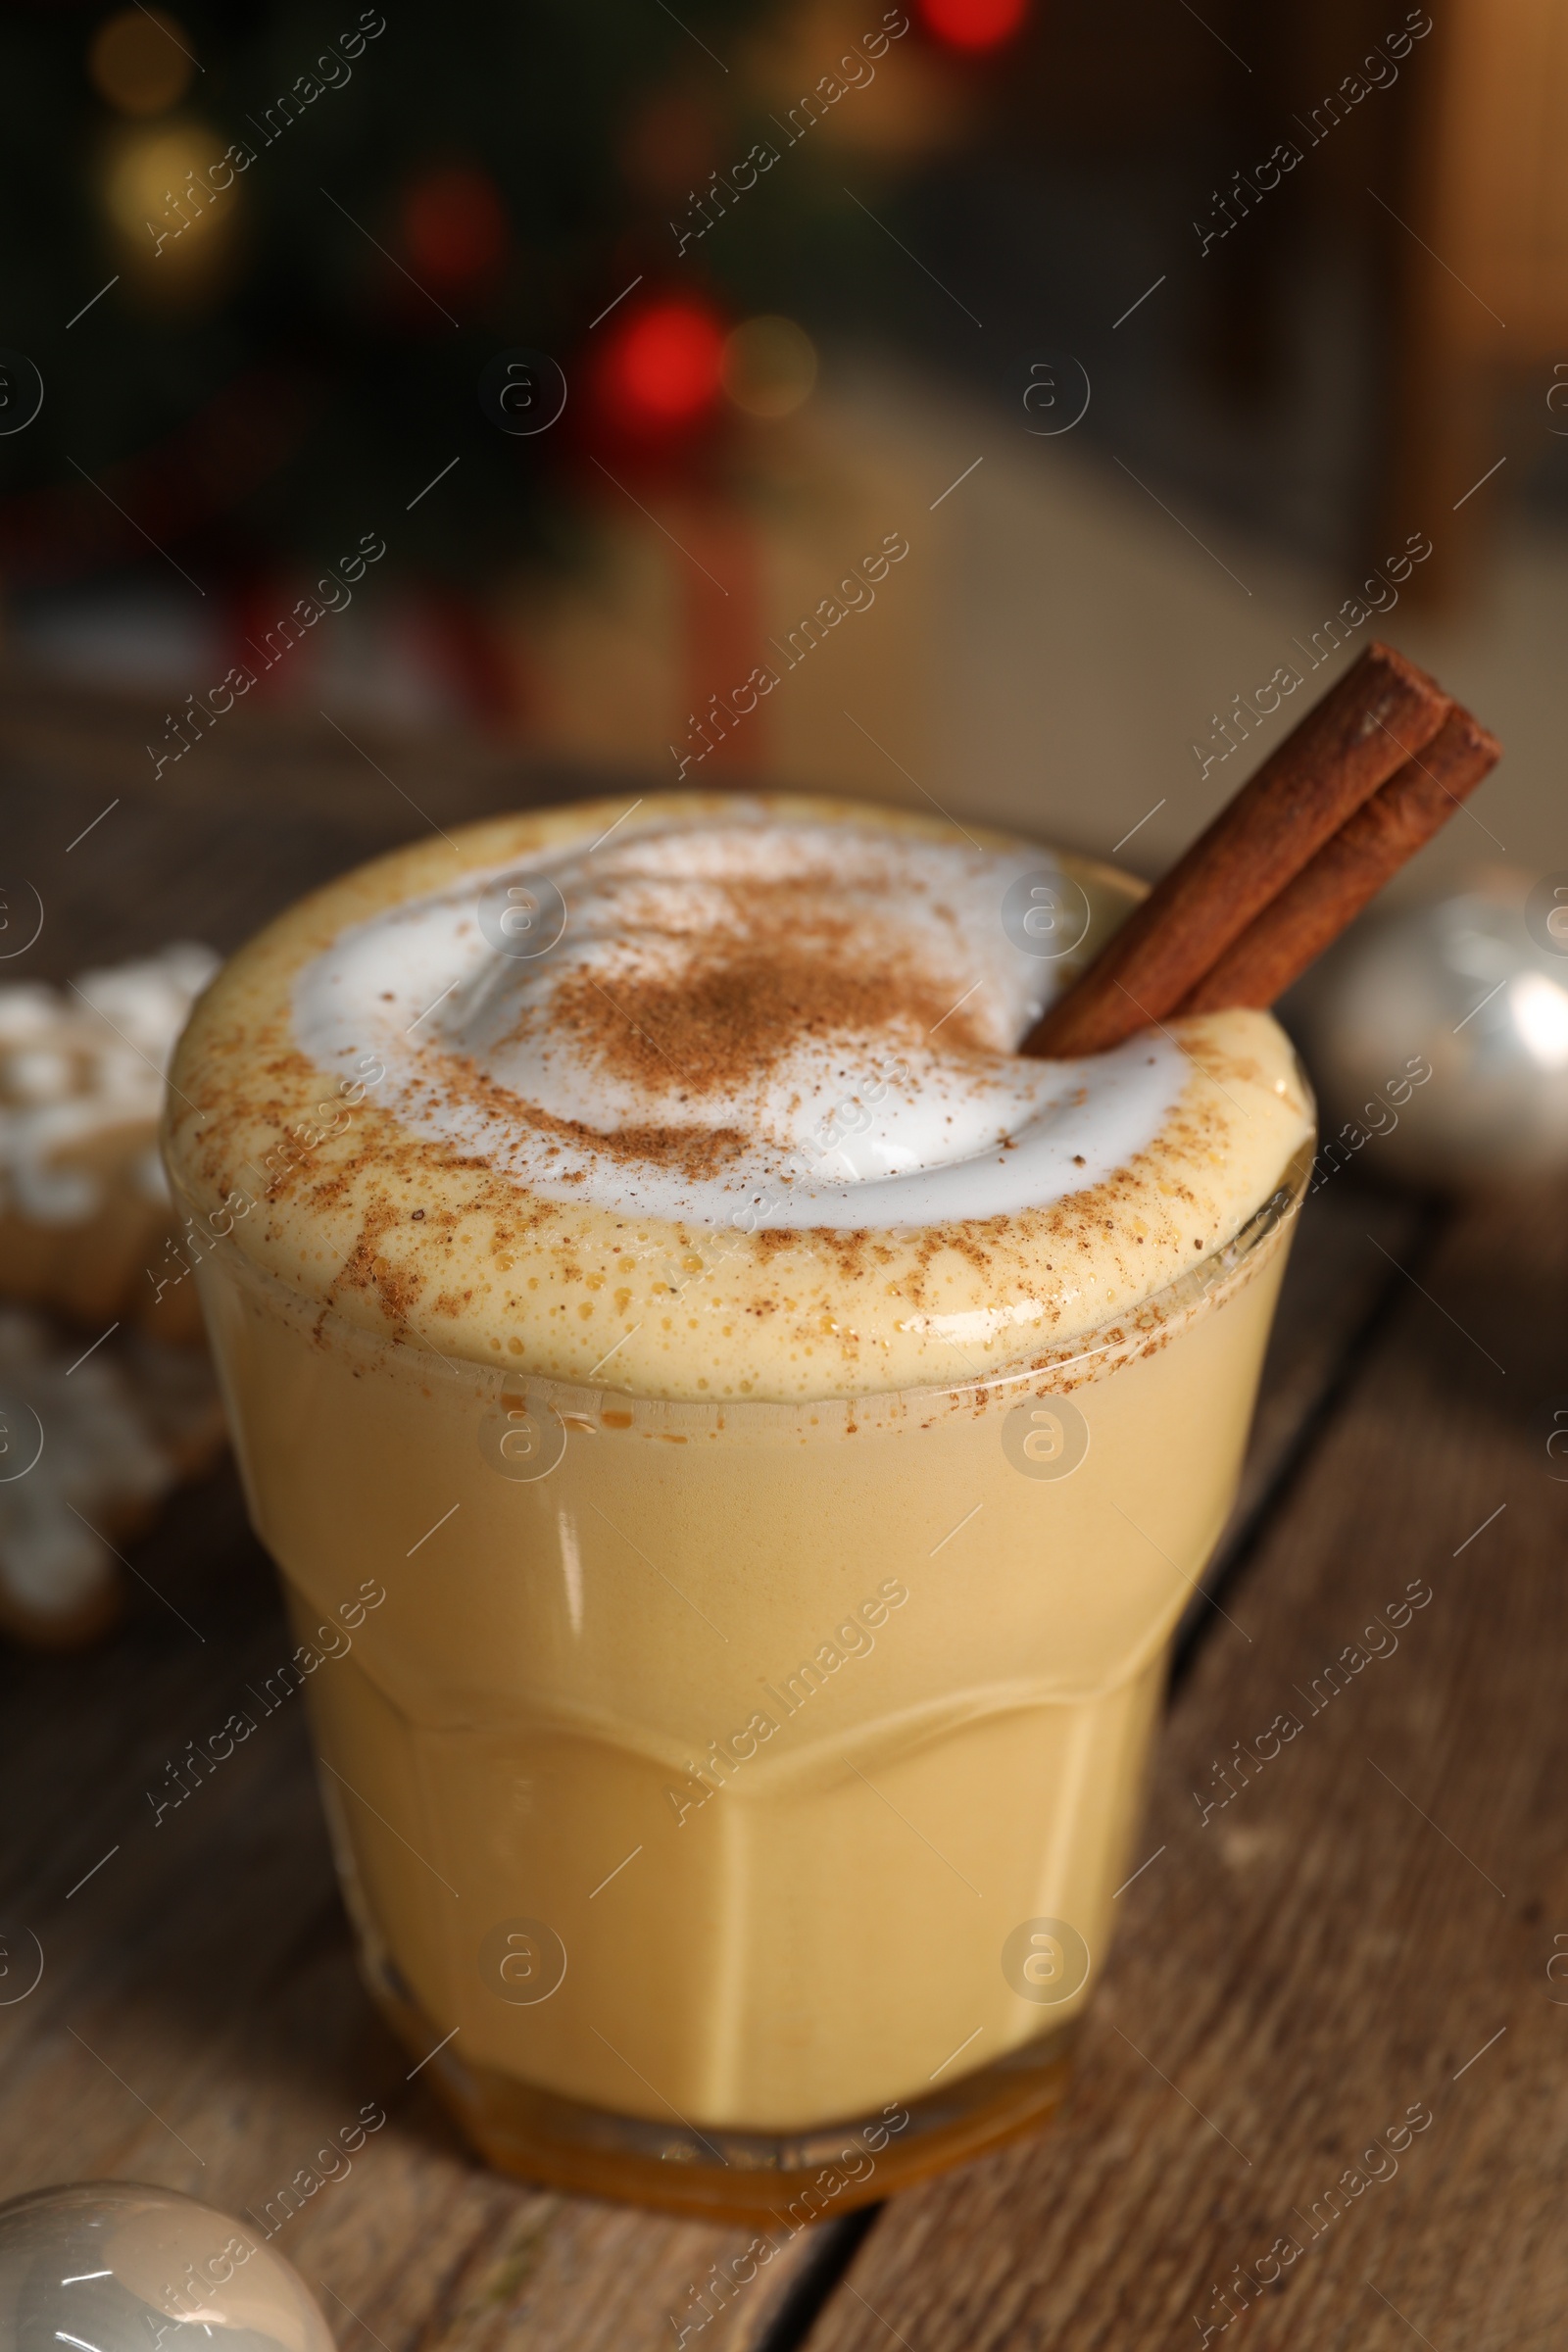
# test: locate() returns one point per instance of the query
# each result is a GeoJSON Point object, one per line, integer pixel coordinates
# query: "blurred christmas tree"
{"type": "Point", "coordinates": [262, 259]}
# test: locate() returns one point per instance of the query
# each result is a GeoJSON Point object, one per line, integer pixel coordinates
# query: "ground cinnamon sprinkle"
{"type": "Point", "coordinates": [366, 1268]}
{"type": "Point", "coordinates": [696, 1152]}
{"type": "Point", "coordinates": [736, 1011]}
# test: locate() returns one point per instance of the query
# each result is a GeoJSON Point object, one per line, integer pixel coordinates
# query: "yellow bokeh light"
{"type": "Point", "coordinates": [138, 61]}
{"type": "Point", "coordinates": [171, 225]}
{"type": "Point", "coordinates": [770, 367]}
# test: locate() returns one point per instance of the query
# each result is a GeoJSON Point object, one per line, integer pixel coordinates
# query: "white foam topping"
{"type": "Point", "coordinates": [883, 1121]}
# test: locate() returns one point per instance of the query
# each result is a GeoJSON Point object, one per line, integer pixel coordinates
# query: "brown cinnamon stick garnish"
{"type": "Point", "coordinates": [1351, 868]}
{"type": "Point", "coordinates": [1381, 711]}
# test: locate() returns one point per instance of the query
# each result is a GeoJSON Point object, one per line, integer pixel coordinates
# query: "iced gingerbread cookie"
{"type": "Point", "coordinates": [86, 1221]}
{"type": "Point", "coordinates": [89, 1447]}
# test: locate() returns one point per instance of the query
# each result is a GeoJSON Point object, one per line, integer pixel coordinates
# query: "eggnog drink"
{"type": "Point", "coordinates": [788, 1425]}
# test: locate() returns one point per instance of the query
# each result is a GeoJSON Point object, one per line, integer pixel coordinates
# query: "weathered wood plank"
{"type": "Point", "coordinates": [1364, 1929]}
{"type": "Point", "coordinates": [264, 806]}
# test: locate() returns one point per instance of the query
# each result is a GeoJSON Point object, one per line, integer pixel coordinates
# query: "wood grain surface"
{"type": "Point", "coordinates": [1366, 1928]}
{"type": "Point", "coordinates": [267, 805]}
{"type": "Point", "coordinates": [1326, 1950]}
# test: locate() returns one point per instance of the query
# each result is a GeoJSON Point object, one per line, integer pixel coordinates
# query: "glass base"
{"type": "Point", "coordinates": [788, 2178]}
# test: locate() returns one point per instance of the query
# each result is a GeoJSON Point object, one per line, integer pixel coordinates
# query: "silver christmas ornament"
{"type": "Point", "coordinates": [109, 2266]}
{"type": "Point", "coordinates": [1437, 1034]}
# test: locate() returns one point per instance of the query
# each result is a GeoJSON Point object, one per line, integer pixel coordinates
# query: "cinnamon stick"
{"type": "Point", "coordinates": [1380, 713]}
{"type": "Point", "coordinates": [1351, 868]}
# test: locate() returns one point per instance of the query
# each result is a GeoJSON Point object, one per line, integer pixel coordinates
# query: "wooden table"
{"type": "Point", "coordinates": [1361, 1937]}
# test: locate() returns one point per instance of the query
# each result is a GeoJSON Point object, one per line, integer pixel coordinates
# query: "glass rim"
{"type": "Point", "coordinates": [1218, 1273]}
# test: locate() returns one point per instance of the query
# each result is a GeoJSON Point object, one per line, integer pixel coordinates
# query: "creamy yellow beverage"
{"type": "Point", "coordinates": [786, 1424]}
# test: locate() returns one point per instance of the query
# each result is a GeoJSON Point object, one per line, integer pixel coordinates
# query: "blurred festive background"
{"type": "Point", "coordinates": [786, 268]}
{"type": "Point", "coordinates": [1017, 386]}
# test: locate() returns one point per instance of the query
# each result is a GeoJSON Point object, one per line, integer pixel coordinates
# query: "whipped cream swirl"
{"type": "Point", "coordinates": [743, 1021]}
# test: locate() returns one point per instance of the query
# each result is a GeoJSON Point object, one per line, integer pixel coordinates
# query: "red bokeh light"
{"type": "Point", "coordinates": [660, 368]}
{"type": "Point", "coordinates": [454, 227]}
{"type": "Point", "coordinates": [973, 24]}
